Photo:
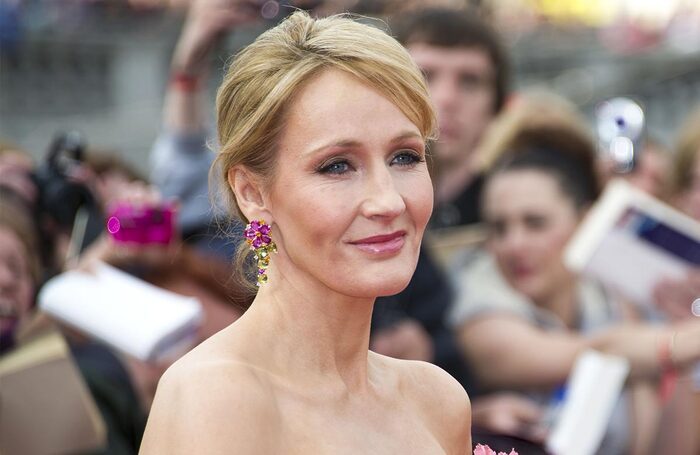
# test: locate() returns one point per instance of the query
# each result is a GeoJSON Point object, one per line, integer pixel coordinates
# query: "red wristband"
{"type": "Point", "coordinates": [669, 376]}
{"type": "Point", "coordinates": [184, 82]}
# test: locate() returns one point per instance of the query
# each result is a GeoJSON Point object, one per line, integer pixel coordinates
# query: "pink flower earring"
{"type": "Point", "coordinates": [257, 234]}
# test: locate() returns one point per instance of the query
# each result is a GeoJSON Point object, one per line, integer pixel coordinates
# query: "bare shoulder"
{"type": "Point", "coordinates": [441, 400]}
{"type": "Point", "coordinates": [436, 389]}
{"type": "Point", "coordinates": [212, 405]}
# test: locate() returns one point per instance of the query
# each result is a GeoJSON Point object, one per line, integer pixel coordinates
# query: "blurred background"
{"type": "Point", "coordinates": [101, 66]}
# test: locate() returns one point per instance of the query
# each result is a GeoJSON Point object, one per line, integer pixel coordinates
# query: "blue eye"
{"type": "Point", "coordinates": [337, 167]}
{"type": "Point", "coordinates": [407, 158]}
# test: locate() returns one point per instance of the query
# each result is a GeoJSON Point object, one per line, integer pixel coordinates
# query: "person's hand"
{"type": "Point", "coordinates": [207, 21]}
{"type": "Point", "coordinates": [509, 414]}
{"type": "Point", "coordinates": [404, 340]}
{"type": "Point", "coordinates": [675, 297]}
{"type": "Point", "coordinates": [106, 249]}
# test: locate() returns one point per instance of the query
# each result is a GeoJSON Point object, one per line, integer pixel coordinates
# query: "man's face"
{"type": "Point", "coordinates": [461, 81]}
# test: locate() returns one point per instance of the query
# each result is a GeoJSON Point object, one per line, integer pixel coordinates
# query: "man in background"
{"type": "Point", "coordinates": [468, 75]}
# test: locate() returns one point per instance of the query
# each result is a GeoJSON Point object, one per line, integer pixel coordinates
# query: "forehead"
{"type": "Point", "coordinates": [465, 59]}
{"type": "Point", "coordinates": [337, 106]}
{"type": "Point", "coordinates": [517, 191]}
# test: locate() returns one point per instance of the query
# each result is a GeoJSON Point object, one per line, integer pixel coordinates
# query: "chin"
{"type": "Point", "coordinates": [379, 284]}
{"type": "Point", "coordinates": [527, 288]}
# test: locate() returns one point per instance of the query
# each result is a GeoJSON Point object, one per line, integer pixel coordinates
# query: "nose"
{"type": "Point", "coordinates": [382, 198]}
{"type": "Point", "coordinates": [514, 242]}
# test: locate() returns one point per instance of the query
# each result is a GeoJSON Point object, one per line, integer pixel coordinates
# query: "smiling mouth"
{"type": "Point", "coordinates": [382, 244]}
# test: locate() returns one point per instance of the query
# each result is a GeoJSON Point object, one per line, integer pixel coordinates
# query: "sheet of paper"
{"type": "Point", "coordinates": [594, 386]}
{"type": "Point", "coordinates": [123, 311]}
{"type": "Point", "coordinates": [630, 241]}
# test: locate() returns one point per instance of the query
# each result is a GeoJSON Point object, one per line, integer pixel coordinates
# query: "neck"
{"type": "Point", "coordinates": [309, 332]}
{"type": "Point", "coordinates": [453, 178]}
{"type": "Point", "coordinates": [562, 302]}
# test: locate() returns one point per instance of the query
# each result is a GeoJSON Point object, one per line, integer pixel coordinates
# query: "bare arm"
{"type": "Point", "coordinates": [509, 352]}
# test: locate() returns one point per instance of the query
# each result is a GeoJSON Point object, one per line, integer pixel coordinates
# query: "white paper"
{"type": "Point", "coordinates": [594, 386]}
{"type": "Point", "coordinates": [608, 245]}
{"type": "Point", "coordinates": [122, 311]}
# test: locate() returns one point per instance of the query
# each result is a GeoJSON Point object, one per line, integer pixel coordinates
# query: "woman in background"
{"type": "Point", "coordinates": [538, 189]}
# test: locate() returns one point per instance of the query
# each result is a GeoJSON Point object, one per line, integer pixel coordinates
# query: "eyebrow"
{"type": "Point", "coordinates": [350, 143]}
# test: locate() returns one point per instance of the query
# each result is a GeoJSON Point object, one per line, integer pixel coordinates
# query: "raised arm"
{"type": "Point", "coordinates": [207, 22]}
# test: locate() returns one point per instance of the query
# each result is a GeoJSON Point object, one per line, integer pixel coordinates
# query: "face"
{"type": "Point", "coordinates": [689, 200]}
{"type": "Point", "coordinates": [16, 284]}
{"type": "Point", "coordinates": [351, 193]}
{"type": "Point", "coordinates": [462, 87]}
{"type": "Point", "coordinates": [531, 220]}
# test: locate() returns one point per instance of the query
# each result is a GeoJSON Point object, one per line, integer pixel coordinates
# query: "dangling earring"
{"type": "Point", "coordinates": [257, 235]}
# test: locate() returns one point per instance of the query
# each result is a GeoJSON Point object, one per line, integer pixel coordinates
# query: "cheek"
{"type": "Point", "coordinates": [418, 194]}
{"type": "Point", "coordinates": [694, 202]}
{"type": "Point", "coordinates": [478, 106]}
{"type": "Point", "coordinates": [26, 296]}
{"type": "Point", "coordinates": [312, 219]}
{"type": "Point", "coordinates": [552, 247]}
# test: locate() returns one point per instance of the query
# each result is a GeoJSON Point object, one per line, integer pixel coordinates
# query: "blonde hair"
{"type": "Point", "coordinates": [686, 153]}
{"type": "Point", "coordinates": [262, 80]}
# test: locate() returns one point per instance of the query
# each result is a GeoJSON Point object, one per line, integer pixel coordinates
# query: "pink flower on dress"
{"type": "Point", "coordinates": [486, 450]}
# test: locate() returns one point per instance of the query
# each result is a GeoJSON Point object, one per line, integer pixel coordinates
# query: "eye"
{"type": "Point", "coordinates": [496, 228]}
{"type": "Point", "coordinates": [337, 167]}
{"type": "Point", "coordinates": [407, 158]}
{"type": "Point", "coordinates": [471, 82]}
{"type": "Point", "coordinates": [536, 222]}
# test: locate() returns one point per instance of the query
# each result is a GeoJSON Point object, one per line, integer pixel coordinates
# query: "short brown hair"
{"type": "Point", "coordinates": [450, 28]}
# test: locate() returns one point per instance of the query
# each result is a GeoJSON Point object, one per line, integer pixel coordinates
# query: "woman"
{"type": "Point", "coordinates": [535, 196]}
{"type": "Point", "coordinates": [323, 127]}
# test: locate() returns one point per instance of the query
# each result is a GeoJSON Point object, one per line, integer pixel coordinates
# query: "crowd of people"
{"type": "Point", "coordinates": [503, 316]}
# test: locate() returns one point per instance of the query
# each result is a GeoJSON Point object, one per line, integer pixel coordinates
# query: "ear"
{"type": "Point", "coordinates": [247, 188]}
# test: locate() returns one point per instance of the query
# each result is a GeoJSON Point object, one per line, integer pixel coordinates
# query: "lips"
{"type": "Point", "coordinates": [521, 271]}
{"type": "Point", "coordinates": [382, 244]}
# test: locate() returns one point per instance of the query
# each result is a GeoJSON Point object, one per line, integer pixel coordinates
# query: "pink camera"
{"type": "Point", "coordinates": [142, 225]}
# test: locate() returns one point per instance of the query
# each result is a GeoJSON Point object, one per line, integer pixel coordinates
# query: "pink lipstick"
{"type": "Point", "coordinates": [382, 244]}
